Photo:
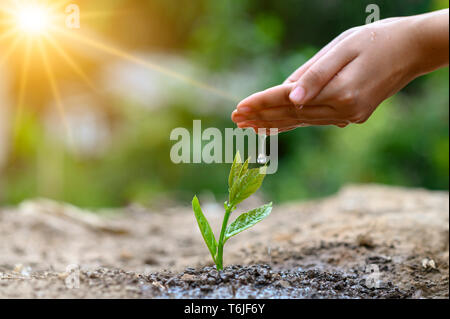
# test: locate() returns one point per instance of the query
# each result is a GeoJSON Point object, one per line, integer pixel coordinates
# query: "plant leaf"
{"type": "Point", "coordinates": [247, 220]}
{"type": "Point", "coordinates": [246, 185]}
{"type": "Point", "coordinates": [235, 170]}
{"type": "Point", "coordinates": [244, 168]}
{"type": "Point", "coordinates": [205, 228]}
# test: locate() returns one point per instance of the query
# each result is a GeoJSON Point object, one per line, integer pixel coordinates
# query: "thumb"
{"type": "Point", "coordinates": [309, 85]}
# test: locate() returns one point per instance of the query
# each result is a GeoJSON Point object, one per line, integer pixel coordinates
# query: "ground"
{"type": "Point", "coordinates": [367, 241]}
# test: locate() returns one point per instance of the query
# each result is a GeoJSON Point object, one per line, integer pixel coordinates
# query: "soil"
{"type": "Point", "coordinates": [367, 241]}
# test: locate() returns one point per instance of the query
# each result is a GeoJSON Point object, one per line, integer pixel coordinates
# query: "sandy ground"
{"type": "Point", "coordinates": [367, 241]}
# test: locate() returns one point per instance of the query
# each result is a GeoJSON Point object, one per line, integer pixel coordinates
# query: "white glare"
{"type": "Point", "coordinates": [33, 19]}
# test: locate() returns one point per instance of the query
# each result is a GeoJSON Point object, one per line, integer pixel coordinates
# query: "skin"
{"type": "Point", "coordinates": [346, 81]}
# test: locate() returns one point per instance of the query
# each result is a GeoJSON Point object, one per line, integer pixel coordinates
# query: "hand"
{"type": "Point", "coordinates": [351, 76]}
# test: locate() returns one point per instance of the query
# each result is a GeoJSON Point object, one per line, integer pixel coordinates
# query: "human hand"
{"type": "Point", "coordinates": [345, 81]}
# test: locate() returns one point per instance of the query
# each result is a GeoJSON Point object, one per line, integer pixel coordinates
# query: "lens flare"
{"type": "Point", "coordinates": [26, 23]}
{"type": "Point", "coordinates": [33, 19]}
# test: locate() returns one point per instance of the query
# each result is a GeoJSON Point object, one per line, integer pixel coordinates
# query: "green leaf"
{"type": "Point", "coordinates": [247, 220]}
{"type": "Point", "coordinates": [235, 170]}
{"type": "Point", "coordinates": [205, 228]}
{"type": "Point", "coordinates": [244, 168]}
{"type": "Point", "coordinates": [246, 185]}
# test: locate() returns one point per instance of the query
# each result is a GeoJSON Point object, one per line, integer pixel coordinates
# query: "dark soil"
{"type": "Point", "coordinates": [261, 281]}
{"type": "Point", "coordinates": [248, 282]}
{"type": "Point", "coordinates": [365, 242]}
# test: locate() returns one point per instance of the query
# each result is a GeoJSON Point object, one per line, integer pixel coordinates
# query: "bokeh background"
{"type": "Point", "coordinates": [119, 152]}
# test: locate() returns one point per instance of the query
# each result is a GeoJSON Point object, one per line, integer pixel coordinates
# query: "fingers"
{"type": "Point", "coordinates": [334, 91]}
{"type": "Point", "coordinates": [288, 128]}
{"type": "Point", "coordinates": [301, 70]}
{"type": "Point", "coordinates": [294, 77]}
{"type": "Point", "coordinates": [274, 104]}
{"type": "Point", "coordinates": [265, 100]}
{"type": "Point", "coordinates": [288, 117]}
{"type": "Point", "coordinates": [288, 112]}
{"type": "Point", "coordinates": [320, 73]}
{"type": "Point", "coordinates": [279, 107]}
{"type": "Point", "coordinates": [267, 131]}
{"type": "Point", "coordinates": [284, 125]}
{"type": "Point", "coordinates": [343, 90]}
{"type": "Point", "coordinates": [278, 95]}
{"type": "Point", "coordinates": [287, 125]}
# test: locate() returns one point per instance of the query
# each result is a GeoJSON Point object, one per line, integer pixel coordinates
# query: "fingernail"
{"type": "Point", "coordinates": [239, 118]}
{"type": "Point", "coordinates": [245, 109]}
{"type": "Point", "coordinates": [297, 95]}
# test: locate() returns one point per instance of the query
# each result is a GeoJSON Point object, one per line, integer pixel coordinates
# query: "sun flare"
{"type": "Point", "coordinates": [33, 19]}
{"type": "Point", "coordinates": [40, 28]}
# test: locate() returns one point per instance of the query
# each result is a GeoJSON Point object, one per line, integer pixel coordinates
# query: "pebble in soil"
{"type": "Point", "coordinates": [261, 281]}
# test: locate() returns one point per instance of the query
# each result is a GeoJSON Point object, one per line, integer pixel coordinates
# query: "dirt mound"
{"type": "Point", "coordinates": [365, 242]}
{"type": "Point", "coordinates": [261, 281]}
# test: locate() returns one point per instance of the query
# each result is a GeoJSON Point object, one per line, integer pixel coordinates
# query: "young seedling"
{"type": "Point", "coordinates": [242, 183]}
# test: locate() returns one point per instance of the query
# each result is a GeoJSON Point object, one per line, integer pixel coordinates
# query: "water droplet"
{"type": "Point", "coordinates": [262, 158]}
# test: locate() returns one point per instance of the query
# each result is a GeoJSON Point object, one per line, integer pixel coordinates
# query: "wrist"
{"type": "Point", "coordinates": [428, 36]}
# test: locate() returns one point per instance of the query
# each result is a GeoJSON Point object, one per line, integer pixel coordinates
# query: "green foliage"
{"type": "Point", "coordinates": [205, 229]}
{"type": "Point", "coordinates": [235, 171]}
{"type": "Point", "coordinates": [246, 183]}
{"type": "Point", "coordinates": [248, 45]}
{"type": "Point", "coordinates": [249, 181]}
{"type": "Point", "coordinates": [247, 220]}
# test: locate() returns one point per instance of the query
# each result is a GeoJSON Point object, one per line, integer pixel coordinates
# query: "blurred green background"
{"type": "Point", "coordinates": [122, 126]}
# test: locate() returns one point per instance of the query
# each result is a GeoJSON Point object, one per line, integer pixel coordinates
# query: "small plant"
{"type": "Point", "coordinates": [242, 183]}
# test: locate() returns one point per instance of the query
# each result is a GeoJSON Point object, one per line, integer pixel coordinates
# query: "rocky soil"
{"type": "Point", "coordinates": [368, 241]}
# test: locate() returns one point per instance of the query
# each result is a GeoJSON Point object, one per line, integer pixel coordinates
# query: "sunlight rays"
{"type": "Point", "coordinates": [55, 90]}
{"type": "Point", "coordinates": [10, 33]}
{"type": "Point", "coordinates": [75, 67]}
{"type": "Point", "coordinates": [22, 24]}
{"type": "Point", "coordinates": [7, 9]}
{"type": "Point", "coordinates": [22, 87]}
{"type": "Point", "coordinates": [147, 64]}
{"type": "Point", "coordinates": [10, 50]}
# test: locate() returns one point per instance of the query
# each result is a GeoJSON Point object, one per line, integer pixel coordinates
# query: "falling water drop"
{"type": "Point", "coordinates": [262, 157]}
